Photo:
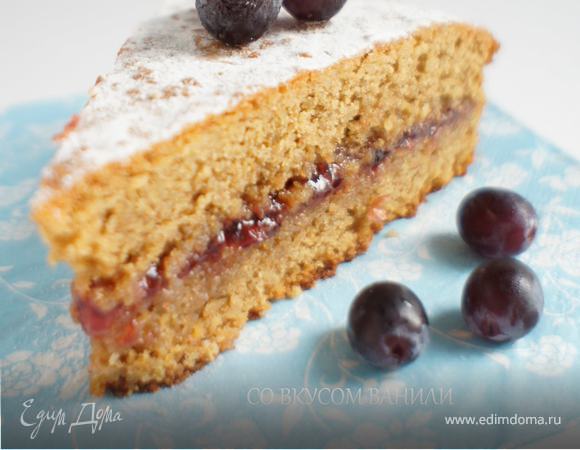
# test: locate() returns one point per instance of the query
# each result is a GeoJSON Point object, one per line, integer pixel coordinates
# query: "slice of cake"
{"type": "Point", "coordinates": [200, 182]}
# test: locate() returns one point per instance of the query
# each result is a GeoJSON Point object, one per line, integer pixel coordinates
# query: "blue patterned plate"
{"type": "Point", "coordinates": [292, 380]}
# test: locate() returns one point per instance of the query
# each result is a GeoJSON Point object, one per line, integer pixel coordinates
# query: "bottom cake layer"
{"type": "Point", "coordinates": [207, 311]}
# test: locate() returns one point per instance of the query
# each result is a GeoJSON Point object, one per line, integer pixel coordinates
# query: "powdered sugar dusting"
{"type": "Point", "coordinates": [172, 74]}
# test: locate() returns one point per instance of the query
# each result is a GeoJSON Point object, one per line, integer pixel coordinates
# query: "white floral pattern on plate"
{"type": "Point", "coordinates": [550, 356]}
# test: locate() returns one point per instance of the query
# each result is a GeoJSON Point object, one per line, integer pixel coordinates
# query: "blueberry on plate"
{"type": "Point", "coordinates": [497, 222]}
{"type": "Point", "coordinates": [502, 300]}
{"type": "Point", "coordinates": [387, 325]}
{"type": "Point", "coordinates": [236, 22]}
{"type": "Point", "coordinates": [313, 10]}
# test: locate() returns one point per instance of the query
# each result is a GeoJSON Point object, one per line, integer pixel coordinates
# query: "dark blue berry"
{"type": "Point", "coordinates": [387, 325]}
{"type": "Point", "coordinates": [313, 10]}
{"type": "Point", "coordinates": [502, 300]}
{"type": "Point", "coordinates": [497, 222]}
{"type": "Point", "coordinates": [237, 22]}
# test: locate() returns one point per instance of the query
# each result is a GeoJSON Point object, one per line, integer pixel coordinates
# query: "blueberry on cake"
{"type": "Point", "coordinates": [201, 181]}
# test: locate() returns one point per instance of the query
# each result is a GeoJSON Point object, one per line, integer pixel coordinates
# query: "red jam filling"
{"type": "Point", "coordinates": [244, 233]}
{"type": "Point", "coordinates": [119, 323]}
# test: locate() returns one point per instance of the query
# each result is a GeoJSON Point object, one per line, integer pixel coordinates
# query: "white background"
{"type": "Point", "coordinates": [56, 48]}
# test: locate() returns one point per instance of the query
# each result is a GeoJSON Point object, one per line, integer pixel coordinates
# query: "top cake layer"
{"type": "Point", "coordinates": [172, 74]}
